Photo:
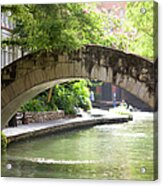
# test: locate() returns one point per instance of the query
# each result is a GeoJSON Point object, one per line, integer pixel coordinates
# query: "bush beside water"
{"type": "Point", "coordinates": [3, 142]}
{"type": "Point", "coordinates": [67, 97]}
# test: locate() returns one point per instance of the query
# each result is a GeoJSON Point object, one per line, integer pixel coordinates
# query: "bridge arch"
{"type": "Point", "coordinates": [30, 75]}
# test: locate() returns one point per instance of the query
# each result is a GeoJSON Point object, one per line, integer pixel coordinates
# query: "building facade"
{"type": "Point", "coordinates": [8, 53]}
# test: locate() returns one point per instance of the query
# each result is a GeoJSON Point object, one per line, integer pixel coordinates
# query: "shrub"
{"type": "Point", "coordinates": [67, 97]}
{"type": "Point", "coordinates": [86, 104]}
{"type": "Point", "coordinates": [3, 141]}
{"type": "Point", "coordinates": [33, 105]}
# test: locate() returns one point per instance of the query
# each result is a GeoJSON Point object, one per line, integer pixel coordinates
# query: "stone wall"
{"type": "Point", "coordinates": [35, 117]}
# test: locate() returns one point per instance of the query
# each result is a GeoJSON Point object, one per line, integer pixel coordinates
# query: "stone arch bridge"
{"type": "Point", "coordinates": [30, 75]}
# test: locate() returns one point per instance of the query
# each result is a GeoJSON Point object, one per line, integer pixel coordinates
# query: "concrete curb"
{"type": "Point", "coordinates": [64, 126]}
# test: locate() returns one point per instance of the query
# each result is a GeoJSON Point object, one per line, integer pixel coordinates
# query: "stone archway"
{"type": "Point", "coordinates": [28, 76]}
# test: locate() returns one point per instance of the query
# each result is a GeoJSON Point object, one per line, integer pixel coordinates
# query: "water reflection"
{"type": "Point", "coordinates": [102, 152]}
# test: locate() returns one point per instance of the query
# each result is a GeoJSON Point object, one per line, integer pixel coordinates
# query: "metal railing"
{"type": "Point", "coordinates": [9, 54]}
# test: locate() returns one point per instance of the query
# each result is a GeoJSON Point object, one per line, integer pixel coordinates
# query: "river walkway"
{"type": "Point", "coordinates": [96, 117]}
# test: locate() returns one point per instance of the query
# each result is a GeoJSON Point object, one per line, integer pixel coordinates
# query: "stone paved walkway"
{"type": "Point", "coordinates": [95, 117]}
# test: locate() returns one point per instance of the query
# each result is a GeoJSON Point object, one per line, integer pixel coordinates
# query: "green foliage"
{"type": "Point", "coordinates": [137, 32]}
{"type": "Point", "coordinates": [39, 104]}
{"type": "Point", "coordinates": [94, 83]}
{"type": "Point", "coordinates": [3, 141]}
{"type": "Point", "coordinates": [66, 27]}
{"type": "Point", "coordinates": [82, 94]}
{"type": "Point", "coordinates": [71, 95]}
{"type": "Point", "coordinates": [66, 97]}
{"type": "Point", "coordinates": [34, 105]}
{"type": "Point", "coordinates": [146, 28]}
{"type": "Point", "coordinates": [55, 26]}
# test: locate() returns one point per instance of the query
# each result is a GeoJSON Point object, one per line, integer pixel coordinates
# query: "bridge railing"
{"type": "Point", "coordinates": [10, 54]}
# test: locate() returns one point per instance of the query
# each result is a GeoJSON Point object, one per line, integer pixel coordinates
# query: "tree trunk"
{"type": "Point", "coordinates": [50, 94]}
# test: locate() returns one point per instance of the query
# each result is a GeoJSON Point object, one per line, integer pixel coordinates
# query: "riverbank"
{"type": "Point", "coordinates": [37, 129]}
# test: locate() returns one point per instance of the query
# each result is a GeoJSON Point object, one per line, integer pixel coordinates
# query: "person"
{"type": "Point", "coordinates": [13, 121]}
{"type": "Point", "coordinates": [130, 108]}
{"type": "Point", "coordinates": [92, 96]}
{"type": "Point", "coordinates": [123, 104]}
{"type": "Point", "coordinates": [24, 119]}
{"type": "Point", "coordinates": [114, 100]}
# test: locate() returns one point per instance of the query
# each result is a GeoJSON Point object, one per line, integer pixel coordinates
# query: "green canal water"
{"type": "Point", "coordinates": [118, 151]}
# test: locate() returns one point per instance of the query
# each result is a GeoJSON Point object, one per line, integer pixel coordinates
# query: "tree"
{"type": "Point", "coordinates": [143, 16]}
{"type": "Point", "coordinates": [137, 32]}
{"type": "Point", "coordinates": [66, 27]}
{"type": "Point", "coordinates": [55, 26]}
